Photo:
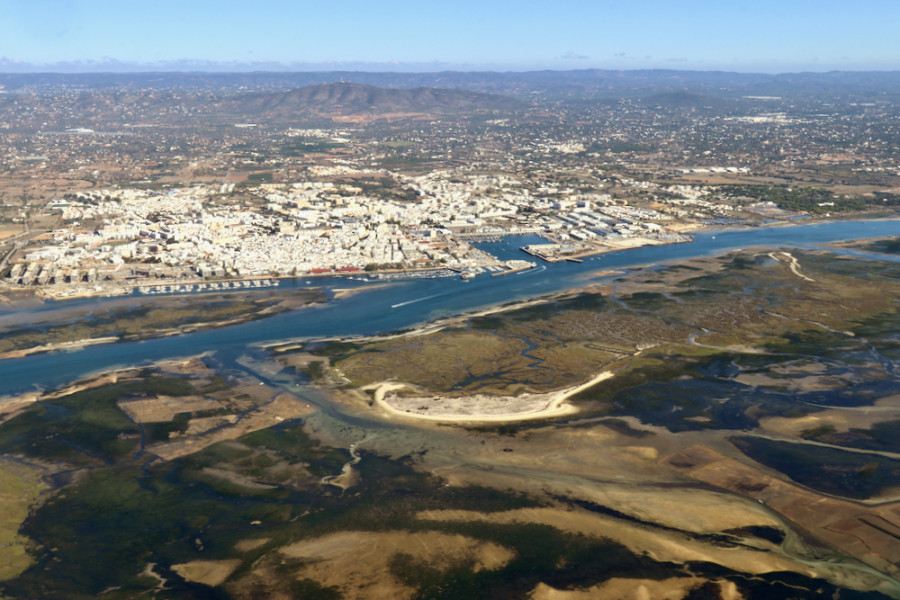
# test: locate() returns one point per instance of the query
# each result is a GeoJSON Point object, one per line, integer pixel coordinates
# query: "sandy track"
{"type": "Point", "coordinates": [792, 264]}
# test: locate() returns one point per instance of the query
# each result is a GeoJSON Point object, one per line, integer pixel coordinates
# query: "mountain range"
{"type": "Point", "coordinates": [343, 99]}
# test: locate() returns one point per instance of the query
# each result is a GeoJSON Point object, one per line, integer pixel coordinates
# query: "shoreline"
{"type": "Point", "coordinates": [63, 293]}
{"type": "Point", "coordinates": [76, 345]}
{"type": "Point", "coordinates": [427, 327]}
{"type": "Point", "coordinates": [170, 331]}
{"type": "Point", "coordinates": [808, 220]}
{"type": "Point", "coordinates": [12, 402]}
{"type": "Point", "coordinates": [605, 248]}
{"type": "Point", "coordinates": [59, 294]}
{"type": "Point", "coordinates": [60, 347]}
{"type": "Point", "coordinates": [421, 329]}
{"type": "Point", "coordinates": [442, 322]}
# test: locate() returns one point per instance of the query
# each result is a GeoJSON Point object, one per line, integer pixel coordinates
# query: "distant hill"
{"type": "Point", "coordinates": [531, 85]}
{"type": "Point", "coordinates": [343, 99]}
{"type": "Point", "coordinates": [107, 108]}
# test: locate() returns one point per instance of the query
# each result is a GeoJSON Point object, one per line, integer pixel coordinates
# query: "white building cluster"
{"type": "Point", "coordinates": [313, 227]}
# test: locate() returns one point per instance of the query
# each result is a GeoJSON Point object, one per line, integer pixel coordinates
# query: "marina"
{"type": "Point", "coordinates": [212, 286]}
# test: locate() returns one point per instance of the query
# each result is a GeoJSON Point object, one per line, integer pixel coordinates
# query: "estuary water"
{"type": "Point", "coordinates": [404, 304]}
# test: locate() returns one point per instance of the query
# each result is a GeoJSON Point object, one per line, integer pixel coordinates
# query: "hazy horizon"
{"type": "Point", "coordinates": [9, 67]}
{"type": "Point", "coordinates": [397, 35]}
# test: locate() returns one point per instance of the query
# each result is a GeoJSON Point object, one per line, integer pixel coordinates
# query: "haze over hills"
{"type": "Point", "coordinates": [575, 84]}
{"type": "Point", "coordinates": [106, 107]}
{"type": "Point", "coordinates": [341, 99]}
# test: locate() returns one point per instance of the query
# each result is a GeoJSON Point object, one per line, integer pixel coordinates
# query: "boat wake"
{"type": "Point", "coordinates": [532, 271]}
{"type": "Point", "coordinates": [423, 298]}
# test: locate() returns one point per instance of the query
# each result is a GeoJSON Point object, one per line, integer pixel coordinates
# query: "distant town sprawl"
{"type": "Point", "coordinates": [138, 236]}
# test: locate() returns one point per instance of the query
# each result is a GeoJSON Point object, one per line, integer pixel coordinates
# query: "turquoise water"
{"type": "Point", "coordinates": [405, 304]}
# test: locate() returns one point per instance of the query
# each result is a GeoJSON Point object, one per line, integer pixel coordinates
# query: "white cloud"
{"type": "Point", "coordinates": [570, 55]}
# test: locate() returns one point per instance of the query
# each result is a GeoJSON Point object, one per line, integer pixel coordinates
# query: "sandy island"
{"type": "Point", "coordinates": [479, 408]}
{"type": "Point", "coordinates": [64, 346]}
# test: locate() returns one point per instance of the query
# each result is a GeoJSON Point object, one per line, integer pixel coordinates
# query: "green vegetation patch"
{"type": "Point", "coordinates": [150, 318]}
{"type": "Point", "coordinates": [802, 199]}
{"type": "Point", "coordinates": [20, 488]}
{"type": "Point", "coordinates": [446, 361]}
{"type": "Point", "coordinates": [315, 370]}
{"type": "Point", "coordinates": [817, 432]}
{"type": "Point", "coordinates": [828, 470]}
{"type": "Point", "coordinates": [387, 188]}
{"type": "Point", "coordinates": [688, 393]}
{"type": "Point", "coordinates": [279, 456]}
{"type": "Point", "coordinates": [880, 437]}
{"type": "Point", "coordinates": [398, 144]}
{"type": "Point", "coordinates": [814, 342]}
{"type": "Point", "coordinates": [543, 554]}
{"type": "Point", "coordinates": [650, 301]}
{"type": "Point", "coordinates": [881, 331]}
{"type": "Point", "coordinates": [103, 530]}
{"type": "Point", "coordinates": [585, 301]}
{"type": "Point", "coordinates": [302, 146]}
{"type": "Point", "coordinates": [872, 273]}
{"type": "Point", "coordinates": [889, 246]}
{"type": "Point", "coordinates": [540, 347]}
{"type": "Point", "coordinates": [260, 177]}
{"type": "Point", "coordinates": [86, 427]}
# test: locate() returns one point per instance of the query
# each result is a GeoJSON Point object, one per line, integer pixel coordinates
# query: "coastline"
{"type": "Point", "coordinates": [586, 280]}
{"type": "Point", "coordinates": [76, 345]}
{"type": "Point", "coordinates": [603, 248]}
{"type": "Point", "coordinates": [797, 221]}
{"type": "Point", "coordinates": [12, 402]}
{"type": "Point", "coordinates": [427, 327]}
{"type": "Point", "coordinates": [169, 331]}
{"type": "Point", "coordinates": [118, 289]}
{"type": "Point", "coordinates": [62, 346]}
{"type": "Point", "coordinates": [435, 325]}
{"type": "Point", "coordinates": [109, 289]}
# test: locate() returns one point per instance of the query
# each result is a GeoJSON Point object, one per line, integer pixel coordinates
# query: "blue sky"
{"type": "Point", "coordinates": [737, 35]}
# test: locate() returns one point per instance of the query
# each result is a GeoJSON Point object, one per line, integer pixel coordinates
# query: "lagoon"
{"type": "Point", "coordinates": [405, 304]}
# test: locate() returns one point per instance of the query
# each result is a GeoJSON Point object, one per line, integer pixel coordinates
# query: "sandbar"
{"type": "Point", "coordinates": [479, 408]}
